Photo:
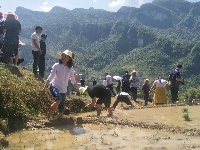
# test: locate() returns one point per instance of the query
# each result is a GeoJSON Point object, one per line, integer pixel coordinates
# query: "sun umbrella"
{"type": "Point", "coordinates": [117, 77]}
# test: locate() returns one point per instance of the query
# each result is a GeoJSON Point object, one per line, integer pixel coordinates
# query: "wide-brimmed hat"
{"type": "Point", "coordinates": [38, 27]}
{"type": "Point", "coordinates": [83, 89]}
{"type": "Point", "coordinates": [146, 80]}
{"type": "Point", "coordinates": [10, 13]}
{"type": "Point", "coordinates": [134, 71]}
{"type": "Point", "coordinates": [20, 43]}
{"type": "Point", "coordinates": [67, 52]}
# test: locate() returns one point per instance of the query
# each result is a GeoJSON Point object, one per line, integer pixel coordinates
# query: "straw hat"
{"type": "Point", "coordinates": [10, 13]}
{"type": "Point", "coordinates": [83, 89]}
{"type": "Point", "coordinates": [68, 53]}
{"type": "Point", "coordinates": [146, 80]}
{"type": "Point", "coordinates": [134, 71]}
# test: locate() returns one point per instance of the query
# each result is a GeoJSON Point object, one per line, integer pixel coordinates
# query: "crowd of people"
{"type": "Point", "coordinates": [63, 76]}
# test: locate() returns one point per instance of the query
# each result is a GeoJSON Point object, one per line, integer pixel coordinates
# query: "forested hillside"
{"type": "Point", "coordinates": [152, 38]}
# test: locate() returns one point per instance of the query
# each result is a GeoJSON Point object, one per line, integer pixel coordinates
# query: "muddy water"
{"type": "Point", "coordinates": [92, 137]}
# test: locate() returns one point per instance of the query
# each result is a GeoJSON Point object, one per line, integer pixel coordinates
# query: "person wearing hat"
{"type": "Point", "coordinates": [1, 30]}
{"type": "Point", "coordinates": [36, 50]}
{"type": "Point", "coordinates": [42, 56]}
{"type": "Point", "coordinates": [12, 29]}
{"type": "Point", "coordinates": [58, 81]}
{"type": "Point", "coordinates": [134, 80]}
{"type": "Point", "coordinates": [104, 97]}
{"type": "Point", "coordinates": [145, 91]}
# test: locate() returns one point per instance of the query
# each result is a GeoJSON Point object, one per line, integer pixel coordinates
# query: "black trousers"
{"type": "Point", "coordinates": [146, 98]}
{"type": "Point", "coordinates": [110, 87]}
{"type": "Point", "coordinates": [41, 65]}
{"type": "Point", "coordinates": [133, 91]}
{"type": "Point", "coordinates": [174, 92]}
{"type": "Point", "coordinates": [122, 98]}
{"type": "Point", "coordinates": [36, 55]}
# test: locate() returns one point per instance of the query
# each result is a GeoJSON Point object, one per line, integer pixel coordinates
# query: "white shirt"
{"type": "Point", "coordinates": [109, 79]}
{"type": "Point", "coordinates": [105, 82]}
{"type": "Point", "coordinates": [132, 83]}
{"type": "Point", "coordinates": [37, 38]}
{"type": "Point", "coordinates": [60, 75]}
{"type": "Point", "coordinates": [125, 94]}
{"type": "Point", "coordinates": [160, 83]}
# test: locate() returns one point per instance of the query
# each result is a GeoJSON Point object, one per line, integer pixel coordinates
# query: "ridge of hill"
{"type": "Point", "coordinates": [101, 39]}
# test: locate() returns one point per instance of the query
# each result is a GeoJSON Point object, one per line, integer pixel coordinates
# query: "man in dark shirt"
{"type": "Point", "coordinates": [42, 56]}
{"type": "Point", "coordinates": [94, 82]}
{"type": "Point", "coordinates": [145, 91]}
{"type": "Point", "coordinates": [82, 81]}
{"type": "Point", "coordinates": [125, 82]}
{"type": "Point", "coordinates": [175, 80]}
{"type": "Point", "coordinates": [104, 96]}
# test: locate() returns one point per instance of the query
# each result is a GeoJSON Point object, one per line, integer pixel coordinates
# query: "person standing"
{"type": "Point", "coordinates": [134, 80]}
{"type": "Point", "coordinates": [104, 97]}
{"type": "Point", "coordinates": [118, 88]}
{"type": "Point", "coordinates": [58, 81]}
{"type": "Point", "coordinates": [160, 93]}
{"type": "Point", "coordinates": [109, 83]}
{"type": "Point", "coordinates": [82, 81]}
{"type": "Point", "coordinates": [105, 82]}
{"type": "Point", "coordinates": [125, 82]}
{"type": "Point", "coordinates": [1, 30]}
{"type": "Point", "coordinates": [175, 80]}
{"type": "Point", "coordinates": [94, 82]}
{"type": "Point", "coordinates": [145, 91]}
{"type": "Point", "coordinates": [12, 29]}
{"type": "Point", "coordinates": [42, 56]}
{"type": "Point", "coordinates": [36, 51]}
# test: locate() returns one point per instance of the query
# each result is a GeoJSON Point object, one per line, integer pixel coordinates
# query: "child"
{"type": "Point", "coordinates": [42, 56]}
{"type": "Point", "coordinates": [145, 91]}
{"type": "Point", "coordinates": [20, 59]}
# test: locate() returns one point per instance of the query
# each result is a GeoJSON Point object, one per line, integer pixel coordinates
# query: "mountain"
{"type": "Point", "coordinates": [152, 38]}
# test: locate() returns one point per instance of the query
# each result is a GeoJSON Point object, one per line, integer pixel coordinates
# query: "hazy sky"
{"type": "Point", "coordinates": [46, 5]}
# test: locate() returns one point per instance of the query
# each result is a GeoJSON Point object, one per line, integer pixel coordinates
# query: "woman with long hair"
{"type": "Point", "coordinates": [58, 81]}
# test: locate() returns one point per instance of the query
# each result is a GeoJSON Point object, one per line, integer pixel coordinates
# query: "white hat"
{"type": "Point", "coordinates": [67, 52]}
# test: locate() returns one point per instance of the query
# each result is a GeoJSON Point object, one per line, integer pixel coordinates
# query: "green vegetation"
{"type": "Point", "coordinates": [186, 114]}
{"type": "Point", "coordinates": [20, 97]}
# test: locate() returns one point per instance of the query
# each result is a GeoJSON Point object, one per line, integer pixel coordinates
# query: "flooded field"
{"type": "Point", "coordinates": [110, 136]}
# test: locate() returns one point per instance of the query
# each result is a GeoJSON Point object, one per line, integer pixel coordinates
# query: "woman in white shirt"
{"type": "Point", "coordinates": [58, 80]}
{"type": "Point", "coordinates": [160, 93]}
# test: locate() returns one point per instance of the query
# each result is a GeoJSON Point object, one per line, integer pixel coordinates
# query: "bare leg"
{"type": "Point", "coordinates": [16, 59]}
{"type": "Point", "coordinates": [60, 115]}
{"type": "Point", "coordinates": [110, 111]}
{"type": "Point", "coordinates": [98, 109]}
{"type": "Point", "coordinates": [11, 60]}
{"type": "Point", "coordinates": [52, 108]}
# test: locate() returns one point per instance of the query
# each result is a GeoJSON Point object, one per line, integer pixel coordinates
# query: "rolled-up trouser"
{"type": "Point", "coordinates": [59, 97]}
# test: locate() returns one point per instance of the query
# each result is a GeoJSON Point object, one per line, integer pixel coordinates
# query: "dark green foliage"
{"type": "Point", "coordinates": [20, 96]}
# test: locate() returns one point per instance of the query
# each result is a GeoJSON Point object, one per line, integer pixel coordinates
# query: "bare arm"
{"type": "Point", "coordinates": [46, 85]}
{"type": "Point", "coordinates": [153, 87]}
{"type": "Point", "coordinates": [92, 103]}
